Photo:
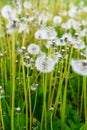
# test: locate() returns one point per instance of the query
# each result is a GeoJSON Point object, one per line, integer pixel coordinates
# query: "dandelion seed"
{"type": "Point", "coordinates": [79, 66]}
{"type": "Point", "coordinates": [33, 49]}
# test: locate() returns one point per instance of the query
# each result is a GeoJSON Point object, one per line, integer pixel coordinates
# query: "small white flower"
{"type": "Point", "coordinates": [44, 65]}
{"type": "Point", "coordinates": [33, 49]}
{"type": "Point", "coordinates": [57, 20]}
{"type": "Point", "coordinates": [79, 66]}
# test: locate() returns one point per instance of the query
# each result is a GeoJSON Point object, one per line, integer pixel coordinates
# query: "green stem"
{"type": "Point", "coordinates": [25, 93]}
{"type": "Point", "coordinates": [1, 116]}
{"type": "Point", "coordinates": [85, 101]}
{"type": "Point", "coordinates": [30, 103]}
{"type": "Point", "coordinates": [44, 102]}
{"type": "Point", "coordinates": [13, 81]}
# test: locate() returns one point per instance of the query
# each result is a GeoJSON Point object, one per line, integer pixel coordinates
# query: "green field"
{"type": "Point", "coordinates": [43, 65]}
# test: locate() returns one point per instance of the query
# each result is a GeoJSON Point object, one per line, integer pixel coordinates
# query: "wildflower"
{"type": "Point", "coordinates": [44, 64]}
{"type": "Point", "coordinates": [57, 20]}
{"type": "Point", "coordinates": [7, 12]}
{"type": "Point", "coordinates": [79, 66]}
{"type": "Point", "coordinates": [33, 49]}
{"type": "Point", "coordinates": [46, 33]}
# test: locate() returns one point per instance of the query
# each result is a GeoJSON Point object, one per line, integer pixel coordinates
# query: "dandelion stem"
{"type": "Point", "coordinates": [13, 80]}
{"type": "Point", "coordinates": [30, 101]}
{"type": "Point", "coordinates": [25, 93]}
{"type": "Point", "coordinates": [85, 100]}
{"type": "Point", "coordinates": [1, 116]}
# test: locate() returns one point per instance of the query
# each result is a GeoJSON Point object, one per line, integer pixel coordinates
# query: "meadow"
{"type": "Point", "coordinates": [43, 65]}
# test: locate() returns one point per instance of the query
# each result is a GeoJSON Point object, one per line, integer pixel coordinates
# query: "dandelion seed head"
{"type": "Point", "coordinates": [21, 50]}
{"type": "Point", "coordinates": [46, 33]}
{"type": "Point", "coordinates": [51, 108]}
{"type": "Point", "coordinates": [27, 5]}
{"type": "Point", "coordinates": [78, 44]}
{"type": "Point", "coordinates": [33, 49]}
{"type": "Point", "coordinates": [34, 87]}
{"type": "Point", "coordinates": [83, 33]}
{"type": "Point", "coordinates": [23, 27]}
{"type": "Point", "coordinates": [44, 65]}
{"type": "Point", "coordinates": [1, 55]}
{"type": "Point", "coordinates": [18, 109]}
{"type": "Point", "coordinates": [7, 12]}
{"type": "Point", "coordinates": [57, 20]}
{"type": "Point", "coordinates": [79, 66]}
{"type": "Point", "coordinates": [56, 57]}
